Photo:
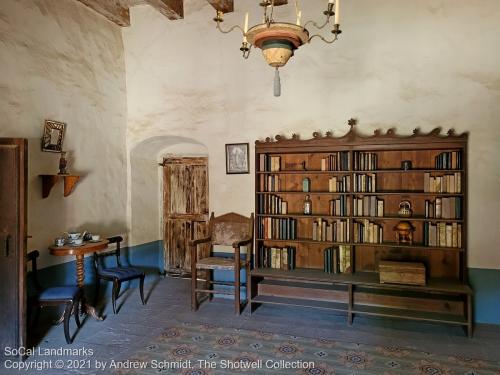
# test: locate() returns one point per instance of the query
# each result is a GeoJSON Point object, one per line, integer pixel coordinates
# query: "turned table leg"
{"type": "Point", "coordinates": [80, 278]}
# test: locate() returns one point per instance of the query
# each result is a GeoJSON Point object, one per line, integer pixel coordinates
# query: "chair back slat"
{"type": "Point", "coordinates": [230, 227]}
{"type": "Point", "coordinates": [111, 240]}
{"type": "Point", "coordinates": [31, 257]}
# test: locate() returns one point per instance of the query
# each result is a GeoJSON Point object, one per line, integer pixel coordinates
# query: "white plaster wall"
{"type": "Point", "coordinates": [405, 64]}
{"type": "Point", "coordinates": [61, 61]}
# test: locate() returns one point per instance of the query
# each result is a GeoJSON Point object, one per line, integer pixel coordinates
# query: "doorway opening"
{"type": "Point", "coordinates": [185, 210]}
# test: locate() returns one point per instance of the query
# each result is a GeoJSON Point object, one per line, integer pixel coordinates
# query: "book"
{"type": "Point", "coordinates": [442, 234]}
{"type": "Point", "coordinates": [427, 182]}
{"type": "Point", "coordinates": [284, 259]}
{"type": "Point", "coordinates": [432, 235]}
{"type": "Point", "coordinates": [449, 235]}
{"type": "Point", "coordinates": [446, 209]}
{"type": "Point", "coordinates": [438, 208]}
{"type": "Point", "coordinates": [454, 233]}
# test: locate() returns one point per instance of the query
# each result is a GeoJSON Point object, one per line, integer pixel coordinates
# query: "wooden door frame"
{"type": "Point", "coordinates": [183, 160]}
{"type": "Point", "coordinates": [22, 145]}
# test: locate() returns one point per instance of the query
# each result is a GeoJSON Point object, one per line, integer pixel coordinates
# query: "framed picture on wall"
{"type": "Point", "coordinates": [237, 158]}
{"type": "Point", "coordinates": [53, 136]}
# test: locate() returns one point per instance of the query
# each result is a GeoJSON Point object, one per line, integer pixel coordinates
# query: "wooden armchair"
{"type": "Point", "coordinates": [231, 230]}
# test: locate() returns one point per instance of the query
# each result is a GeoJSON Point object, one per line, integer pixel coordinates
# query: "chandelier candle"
{"type": "Point", "coordinates": [337, 12]}
{"type": "Point", "coordinates": [245, 28]}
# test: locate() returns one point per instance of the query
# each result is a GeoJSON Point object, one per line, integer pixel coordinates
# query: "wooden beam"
{"type": "Point", "coordinates": [172, 9]}
{"type": "Point", "coordinates": [224, 6]}
{"type": "Point", "coordinates": [111, 9]}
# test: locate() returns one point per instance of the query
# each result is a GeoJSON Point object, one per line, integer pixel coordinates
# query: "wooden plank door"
{"type": "Point", "coordinates": [185, 209]}
{"type": "Point", "coordinates": [13, 179]}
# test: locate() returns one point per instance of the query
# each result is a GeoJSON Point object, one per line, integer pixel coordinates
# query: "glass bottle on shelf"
{"type": "Point", "coordinates": [307, 205]}
{"type": "Point", "coordinates": [306, 185]}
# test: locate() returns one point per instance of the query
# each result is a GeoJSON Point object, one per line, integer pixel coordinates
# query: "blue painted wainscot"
{"type": "Point", "coordinates": [149, 256]}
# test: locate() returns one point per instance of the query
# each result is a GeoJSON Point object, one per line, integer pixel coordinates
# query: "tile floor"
{"type": "Point", "coordinates": [168, 302]}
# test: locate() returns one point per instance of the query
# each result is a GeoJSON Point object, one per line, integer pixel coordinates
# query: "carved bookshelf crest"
{"type": "Point", "coordinates": [353, 136]}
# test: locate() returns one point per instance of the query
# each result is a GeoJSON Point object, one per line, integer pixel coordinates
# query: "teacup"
{"type": "Point", "coordinates": [59, 241]}
{"type": "Point", "coordinates": [96, 237]}
{"type": "Point", "coordinates": [73, 235]}
{"type": "Point", "coordinates": [77, 241]}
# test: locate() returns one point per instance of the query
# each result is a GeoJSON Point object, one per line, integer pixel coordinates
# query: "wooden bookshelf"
{"type": "Point", "coordinates": [435, 185]}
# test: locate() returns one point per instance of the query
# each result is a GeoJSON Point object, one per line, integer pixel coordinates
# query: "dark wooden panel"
{"type": "Point", "coordinates": [417, 304]}
{"type": "Point", "coordinates": [110, 9]}
{"type": "Point", "coordinates": [224, 6]}
{"type": "Point", "coordinates": [13, 169]}
{"type": "Point", "coordinates": [303, 291]}
{"type": "Point", "coordinates": [172, 9]}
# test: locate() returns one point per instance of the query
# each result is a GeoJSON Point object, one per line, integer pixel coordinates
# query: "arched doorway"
{"type": "Point", "coordinates": [146, 220]}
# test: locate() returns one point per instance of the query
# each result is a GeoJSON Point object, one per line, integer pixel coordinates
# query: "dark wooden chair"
{"type": "Point", "coordinates": [230, 229]}
{"type": "Point", "coordinates": [54, 296]}
{"type": "Point", "coordinates": [117, 274]}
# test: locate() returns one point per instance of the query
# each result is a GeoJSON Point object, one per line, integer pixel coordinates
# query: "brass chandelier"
{"type": "Point", "coordinates": [279, 40]}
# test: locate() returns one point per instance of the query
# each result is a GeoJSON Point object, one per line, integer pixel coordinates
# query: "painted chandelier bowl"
{"type": "Point", "coordinates": [277, 41]}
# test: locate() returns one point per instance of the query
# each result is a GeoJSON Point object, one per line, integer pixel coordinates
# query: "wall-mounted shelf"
{"type": "Point", "coordinates": [49, 180]}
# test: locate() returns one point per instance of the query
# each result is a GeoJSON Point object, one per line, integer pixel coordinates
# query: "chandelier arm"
{"type": "Point", "coordinates": [229, 30]}
{"type": "Point", "coordinates": [322, 38]}
{"type": "Point", "coordinates": [316, 25]}
{"type": "Point", "coordinates": [271, 18]}
{"type": "Point", "coordinates": [247, 53]}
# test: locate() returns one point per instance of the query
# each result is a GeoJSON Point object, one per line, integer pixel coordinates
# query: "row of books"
{"type": "Point", "coordinates": [277, 257]}
{"type": "Point", "coordinates": [272, 204]}
{"type": "Point", "coordinates": [340, 206]}
{"type": "Point", "coordinates": [269, 163]}
{"type": "Point", "coordinates": [337, 259]}
{"type": "Point", "coordinates": [368, 206]}
{"type": "Point", "coordinates": [449, 160]}
{"type": "Point", "coordinates": [270, 182]}
{"type": "Point", "coordinates": [449, 183]}
{"type": "Point", "coordinates": [368, 232]}
{"type": "Point", "coordinates": [364, 183]}
{"type": "Point", "coordinates": [365, 161]}
{"type": "Point", "coordinates": [277, 228]}
{"type": "Point", "coordinates": [443, 234]}
{"type": "Point", "coordinates": [338, 161]}
{"type": "Point", "coordinates": [339, 184]}
{"type": "Point", "coordinates": [331, 231]}
{"type": "Point", "coordinates": [444, 208]}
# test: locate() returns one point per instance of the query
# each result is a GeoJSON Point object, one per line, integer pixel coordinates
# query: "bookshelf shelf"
{"type": "Point", "coordinates": [299, 277]}
{"type": "Point", "coordinates": [407, 192]}
{"type": "Point", "coordinates": [412, 218]}
{"type": "Point", "coordinates": [303, 216]}
{"type": "Point", "coordinates": [305, 172]}
{"type": "Point", "coordinates": [365, 244]}
{"type": "Point", "coordinates": [381, 192]}
{"type": "Point", "coordinates": [304, 192]}
{"type": "Point", "coordinates": [414, 170]}
{"type": "Point", "coordinates": [368, 279]}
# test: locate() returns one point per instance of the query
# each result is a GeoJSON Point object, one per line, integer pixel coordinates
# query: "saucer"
{"type": "Point", "coordinates": [76, 245]}
{"type": "Point", "coordinates": [94, 241]}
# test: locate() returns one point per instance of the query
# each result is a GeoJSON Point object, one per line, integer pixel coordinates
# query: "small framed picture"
{"type": "Point", "coordinates": [53, 136]}
{"type": "Point", "coordinates": [237, 158]}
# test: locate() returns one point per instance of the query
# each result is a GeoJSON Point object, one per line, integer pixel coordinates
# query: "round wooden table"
{"type": "Point", "coordinates": [79, 252]}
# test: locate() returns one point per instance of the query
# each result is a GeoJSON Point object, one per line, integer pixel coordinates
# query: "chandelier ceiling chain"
{"type": "Point", "coordinates": [279, 40]}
